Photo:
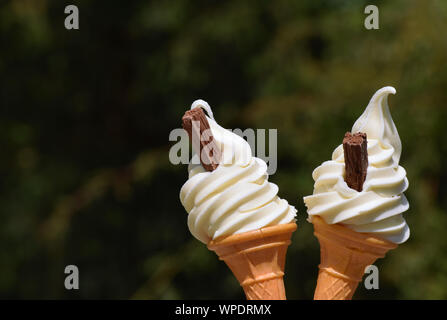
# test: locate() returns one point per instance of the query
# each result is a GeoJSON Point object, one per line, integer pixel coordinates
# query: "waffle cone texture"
{"type": "Point", "coordinates": [257, 259]}
{"type": "Point", "coordinates": [344, 256]}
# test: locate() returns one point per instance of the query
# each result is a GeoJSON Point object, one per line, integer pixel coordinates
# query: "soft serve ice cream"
{"type": "Point", "coordinates": [378, 207]}
{"type": "Point", "coordinates": [234, 198]}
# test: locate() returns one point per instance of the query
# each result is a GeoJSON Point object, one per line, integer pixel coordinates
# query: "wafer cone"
{"type": "Point", "coordinates": [257, 259]}
{"type": "Point", "coordinates": [344, 256]}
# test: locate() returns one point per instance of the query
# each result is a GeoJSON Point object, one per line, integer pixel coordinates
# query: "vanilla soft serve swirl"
{"type": "Point", "coordinates": [234, 198]}
{"type": "Point", "coordinates": [378, 207]}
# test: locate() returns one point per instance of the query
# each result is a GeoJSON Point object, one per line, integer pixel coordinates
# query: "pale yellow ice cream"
{"type": "Point", "coordinates": [378, 207]}
{"type": "Point", "coordinates": [234, 198]}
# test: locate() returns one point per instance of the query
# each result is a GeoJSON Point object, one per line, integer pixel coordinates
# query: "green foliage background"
{"type": "Point", "coordinates": [85, 116]}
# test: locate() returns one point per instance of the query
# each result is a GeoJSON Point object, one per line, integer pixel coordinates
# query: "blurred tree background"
{"type": "Point", "coordinates": [85, 116]}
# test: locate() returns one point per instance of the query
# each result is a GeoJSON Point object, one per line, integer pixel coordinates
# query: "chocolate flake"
{"type": "Point", "coordinates": [356, 159]}
{"type": "Point", "coordinates": [201, 137]}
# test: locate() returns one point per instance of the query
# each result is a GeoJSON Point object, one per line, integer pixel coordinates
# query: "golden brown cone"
{"type": "Point", "coordinates": [345, 254]}
{"type": "Point", "coordinates": [257, 259]}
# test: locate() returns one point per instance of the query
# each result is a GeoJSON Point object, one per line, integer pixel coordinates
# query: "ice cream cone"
{"type": "Point", "coordinates": [344, 256]}
{"type": "Point", "coordinates": [257, 259]}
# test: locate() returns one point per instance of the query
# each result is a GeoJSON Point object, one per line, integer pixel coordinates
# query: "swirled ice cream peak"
{"type": "Point", "coordinates": [378, 124]}
{"type": "Point", "coordinates": [234, 149]}
{"type": "Point", "coordinates": [379, 206]}
{"type": "Point", "coordinates": [234, 198]}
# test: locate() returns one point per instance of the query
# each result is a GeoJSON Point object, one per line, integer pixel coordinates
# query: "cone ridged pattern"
{"type": "Point", "coordinates": [344, 256]}
{"type": "Point", "coordinates": [257, 259]}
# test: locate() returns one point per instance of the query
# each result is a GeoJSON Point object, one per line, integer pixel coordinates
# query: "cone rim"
{"type": "Point", "coordinates": [365, 238]}
{"type": "Point", "coordinates": [260, 233]}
